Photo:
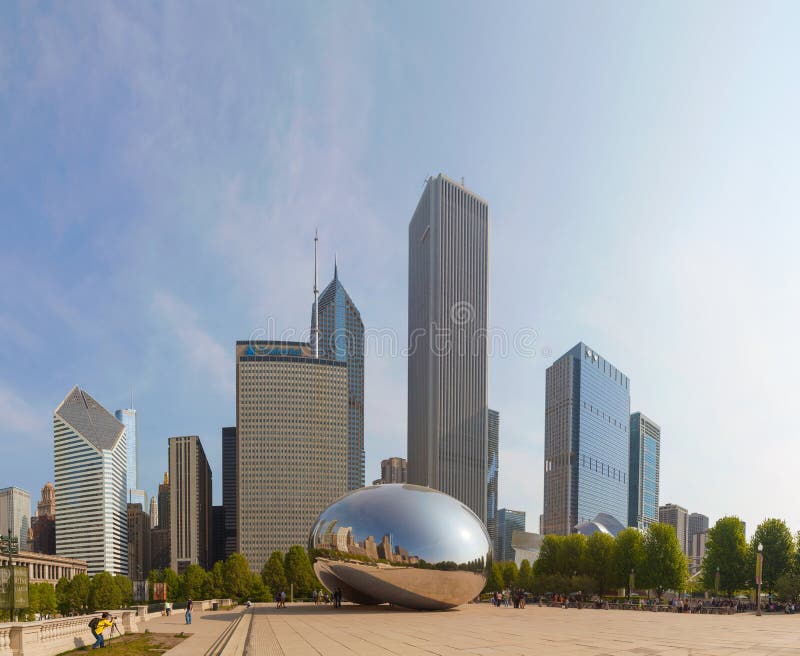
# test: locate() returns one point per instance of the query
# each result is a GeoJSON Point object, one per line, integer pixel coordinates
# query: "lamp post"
{"type": "Point", "coordinates": [759, 568]}
{"type": "Point", "coordinates": [631, 582]}
{"type": "Point", "coordinates": [9, 546]}
{"type": "Point", "coordinates": [716, 583]}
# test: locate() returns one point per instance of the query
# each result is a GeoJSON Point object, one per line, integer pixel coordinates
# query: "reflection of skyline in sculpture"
{"type": "Point", "coordinates": [341, 540]}
{"type": "Point", "coordinates": [403, 544]}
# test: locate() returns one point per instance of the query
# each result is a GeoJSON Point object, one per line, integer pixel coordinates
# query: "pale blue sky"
{"type": "Point", "coordinates": [164, 166]}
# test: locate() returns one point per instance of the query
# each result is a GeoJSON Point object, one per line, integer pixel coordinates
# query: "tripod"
{"type": "Point", "coordinates": [114, 628]}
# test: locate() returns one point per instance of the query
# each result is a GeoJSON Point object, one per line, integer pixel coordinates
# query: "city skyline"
{"type": "Point", "coordinates": [642, 200]}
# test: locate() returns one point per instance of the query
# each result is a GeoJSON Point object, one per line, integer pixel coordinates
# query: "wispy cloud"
{"type": "Point", "coordinates": [200, 351]}
{"type": "Point", "coordinates": [20, 417]}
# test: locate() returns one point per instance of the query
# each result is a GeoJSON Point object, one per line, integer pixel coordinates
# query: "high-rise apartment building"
{"type": "Point", "coordinates": [217, 534]}
{"type": "Point", "coordinates": [138, 543]}
{"type": "Point", "coordinates": [159, 548]}
{"type": "Point", "coordinates": [163, 502]}
{"type": "Point", "coordinates": [160, 552]}
{"type": "Point", "coordinates": [393, 470]}
{"type": "Point", "coordinates": [492, 474]}
{"type": "Point", "coordinates": [127, 418]}
{"type": "Point", "coordinates": [230, 477]}
{"type": "Point", "coordinates": [448, 306]}
{"type": "Point", "coordinates": [697, 545]}
{"type": "Point", "coordinates": [697, 523]}
{"type": "Point", "coordinates": [645, 471]}
{"type": "Point", "coordinates": [44, 524]}
{"type": "Point", "coordinates": [678, 518]}
{"type": "Point", "coordinates": [15, 514]}
{"type": "Point", "coordinates": [153, 512]}
{"type": "Point", "coordinates": [292, 431]}
{"type": "Point", "coordinates": [341, 337]}
{"type": "Point", "coordinates": [586, 442]}
{"type": "Point", "coordinates": [90, 484]}
{"type": "Point", "coordinates": [508, 521]}
{"type": "Point", "coordinates": [189, 503]}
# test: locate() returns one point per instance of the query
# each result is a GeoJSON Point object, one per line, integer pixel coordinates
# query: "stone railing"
{"type": "Point", "coordinates": [56, 636]}
{"type": "Point", "coordinates": [50, 637]}
{"type": "Point", "coordinates": [144, 615]}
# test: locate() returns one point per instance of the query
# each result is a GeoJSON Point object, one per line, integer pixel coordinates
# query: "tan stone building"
{"type": "Point", "coordinates": [292, 427]}
{"type": "Point", "coordinates": [44, 568]}
{"type": "Point", "coordinates": [189, 503]}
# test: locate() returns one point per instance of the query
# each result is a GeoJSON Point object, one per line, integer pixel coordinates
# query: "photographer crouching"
{"type": "Point", "coordinates": [98, 625]}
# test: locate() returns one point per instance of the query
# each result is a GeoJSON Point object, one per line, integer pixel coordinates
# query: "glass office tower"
{"type": "Point", "coordinates": [645, 467]}
{"type": "Point", "coordinates": [508, 521]}
{"type": "Point", "coordinates": [127, 418]}
{"type": "Point", "coordinates": [341, 337]}
{"type": "Point", "coordinates": [587, 417]}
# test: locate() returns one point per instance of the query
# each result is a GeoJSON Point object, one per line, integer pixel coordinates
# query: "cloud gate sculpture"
{"type": "Point", "coordinates": [403, 544]}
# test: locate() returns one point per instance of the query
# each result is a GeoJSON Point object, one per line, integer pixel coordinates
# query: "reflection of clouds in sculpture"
{"type": "Point", "coordinates": [404, 544]}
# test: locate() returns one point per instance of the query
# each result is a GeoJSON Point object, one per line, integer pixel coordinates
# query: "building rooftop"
{"type": "Point", "coordinates": [96, 424]}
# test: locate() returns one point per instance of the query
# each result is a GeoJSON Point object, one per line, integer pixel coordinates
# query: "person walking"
{"type": "Point", "coordinates": [97, 626]}
{"type": "Point", "coordinates": [314, 596]}
{"type": "Point", "coordinates": [189, 607]}
{"type": "Point", "coordinates": [282, 603]}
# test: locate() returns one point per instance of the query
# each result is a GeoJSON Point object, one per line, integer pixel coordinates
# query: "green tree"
{"type": "Point", "coordinates": [525, 579]}
{"type": "Point", "coordinates": [778, 550]}
{"type": "Point", "coordinates": [726, 552]}
{"type": "Point", "coordinates": [299, 571]}
{"type": "Point", "coordinates": [79, 591]}
{"type": "Point", "coordinates": [237, 577]}
{"type": "Point", "coordinates": [599, 562]}
{"type": "Point", "coordinates": [48, 603]}
{"type": "Point", "coordinates": [628, 557]}
{"type": "Point", "coordinates": [665, 566]}
{"type": "Point", "coordinates": [104, 593]}
{"type": "Point", "coordinates": [549, 555]}
{"type": "Point", "coordinates": [174, 584]}
{"type": "Point", "coordinates": [195, 582]}
{"type": "Point", "coordinates": [510, 574]}
{"type": "Point", "coordinates": [216, 580]}
{"type": "Point", "coordinates": [273, 573]}
{"type": "Point", "coordinates": [33, 603]}
{"type": "Point", "coordinates": [125, 589]}
{"type": "Point", "coordinates": [258, 590]}
{"type": "Point", "coordinates": [787, 587]}
{"type": "Point", "coordinates": [495, 581]}
{"type": "Point", "coordinates": [572, 557]}
{"type": "Point", "coordinates": [62, 595]}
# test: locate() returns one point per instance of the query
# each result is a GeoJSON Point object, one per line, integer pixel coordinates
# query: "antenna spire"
{"type": "Point", "coordinates": [316, 297]}
{"type": "Point", "coordinates": [335, 267]}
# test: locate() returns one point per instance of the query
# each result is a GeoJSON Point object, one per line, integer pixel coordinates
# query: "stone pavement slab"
{"type": "Point", "coordinates": [481, 629]}
{"type": "Point", "coordinates": [205, 628]}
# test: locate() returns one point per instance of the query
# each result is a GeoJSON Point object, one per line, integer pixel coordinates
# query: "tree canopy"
{"type": "Point", "coordinates": [726, 552]}
{"type": "Point", "coordinates": [665, 566]}
{"type": "Point", "coordinates": [778, 550]}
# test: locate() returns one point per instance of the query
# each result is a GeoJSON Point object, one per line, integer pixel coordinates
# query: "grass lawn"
{"type": "Point", "coordinates": [136, 644]}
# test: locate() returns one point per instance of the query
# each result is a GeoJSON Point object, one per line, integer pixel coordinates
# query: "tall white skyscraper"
{"type": "Point", "coordinates": [15, 514]}
{"type": "Point", "coordinates": [90, 484]}
{"type": "Point", "coordinates": [128, 419]}
{"type": "Point", "coordinates": [448, 307]}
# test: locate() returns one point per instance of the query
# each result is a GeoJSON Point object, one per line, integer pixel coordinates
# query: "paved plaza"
{"type": "Point", "coordinates": [306, 630]}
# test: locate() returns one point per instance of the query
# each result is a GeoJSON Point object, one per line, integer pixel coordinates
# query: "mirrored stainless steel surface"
{"type": "Point", "coordinates": [403, 544]}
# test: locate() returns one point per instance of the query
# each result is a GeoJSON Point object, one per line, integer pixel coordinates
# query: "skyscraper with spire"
{"type": "Point", "coordinates": [341, 337]}
{"type": "Point", "coordinates": [292, 418]}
